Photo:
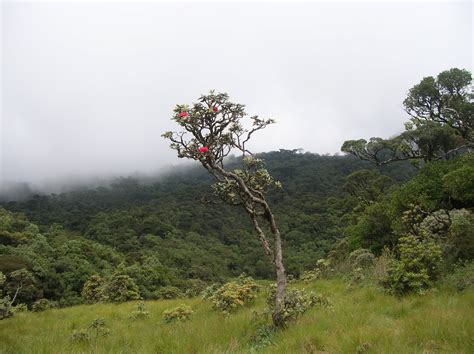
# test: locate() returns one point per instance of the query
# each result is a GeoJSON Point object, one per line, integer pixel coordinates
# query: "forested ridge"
{"type": "Point", "coordinates": [172, 232]}
{"type": "Point", "coordinates": [398, 211]}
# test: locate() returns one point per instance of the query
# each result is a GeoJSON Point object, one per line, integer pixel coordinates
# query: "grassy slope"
{"type": "Point", "coordinates": [361, 320]}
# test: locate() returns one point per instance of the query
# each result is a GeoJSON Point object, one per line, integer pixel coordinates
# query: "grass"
{"type": "Point", "coordinates": [361, 320]}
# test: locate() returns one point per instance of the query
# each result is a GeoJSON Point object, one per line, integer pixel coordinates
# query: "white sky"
{"type": "Point", "coordinates": [88, 88]}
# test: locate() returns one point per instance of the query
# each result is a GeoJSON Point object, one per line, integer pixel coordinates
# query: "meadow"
{"type": "Point", "coordinates": [360, 319]}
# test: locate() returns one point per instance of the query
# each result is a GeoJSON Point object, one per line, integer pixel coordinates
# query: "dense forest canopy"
{"type": "Point", "coordinates": [159, 238]}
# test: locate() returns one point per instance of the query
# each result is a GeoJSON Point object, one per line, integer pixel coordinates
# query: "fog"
{"type": "Point", "coordinates": [87, 89]}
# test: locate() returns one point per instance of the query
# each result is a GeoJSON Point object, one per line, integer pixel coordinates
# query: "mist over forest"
{"type": "Point", "coordinates": [272, 177]}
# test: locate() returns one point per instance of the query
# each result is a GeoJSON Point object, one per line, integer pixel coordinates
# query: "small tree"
{"type": "Point", "coordinates": [211, 129]}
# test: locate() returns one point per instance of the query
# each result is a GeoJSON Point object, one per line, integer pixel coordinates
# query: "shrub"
{"type": "Point", "coordinates": [20, 308]}
{"type": "Point", "coordinates": [207, 293]}
{"type": "Point", "coordinates": [98, 327]}
{"type": "Point", "coordinates": [179, 313]}
{"type": "Point", "coordinates": [41, 305]}
{"type": "Point", "coordinates": [5, 307]}
{"type": "Point", "coordinates": [195, 287]}
{"type": "Point", "coordinates": [235, 294]}
{"type": "Point", "coordinates": [418, 266]}
{"type": "Point", "coordinates": [321, 270]}
{"type": "Point", "coordinates": [168, 292]}
{"type": "Point", "coordinates": [93, 290]}
{"type": "Point", "coordinates": [80, 336]}
{"type": "Point", "coordinates": [382, 265]}
{"type": "Point", "coordinates": [121, 288]}
{"type": "Point", "coordinates": [462, 277]}
{"type": "Point", "coordinates": [297, 302]}
{"type": "Point", "coordinates": [361, 258]}
{"type": "Point", "coordinates": [139, 313]}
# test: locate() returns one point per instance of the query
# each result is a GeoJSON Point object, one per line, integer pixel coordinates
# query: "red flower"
{"type": "Point", "coordinates": [203, 149]}
{"type": "Point", "coordinates": [215, 109]}
{"type": "Point", "coordinates": [183, 114]}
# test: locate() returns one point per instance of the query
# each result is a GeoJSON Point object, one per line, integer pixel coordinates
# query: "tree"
{"type": "Point", "coordinates": [215, 126]}
{"type": "Point", "coordinates": [441, 124]}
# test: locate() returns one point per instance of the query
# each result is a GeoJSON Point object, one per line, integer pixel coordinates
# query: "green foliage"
{"type": "Point", "coordinates": [99, 328]}
{"type": "Point", "coordinates": [168, 292]}
{"type": "Point", "coordinates": [232, 295]}
{"type": "Point", "coordinates": [418, 266]}
{"type": "Point", "coordinates": [459, 184]}
{"type": "Point", "coordinates": [460, 239]}
{"type": "Point", "coordinates": [461, 277]}
{"type": "Point", "coordinates": [441, 124]}
{"type": "Point", "coordinates": [373, 229]}
{"type": "Point", "coordinates": [361, 258]}
{"type": "Point", "coordinates": [139, 313]}
{"type": "Point", "coordinates": [79, 336]}
{"type": "Point", "coordinates": [93, 290]}
{"type": "Point", "coordinates": [296, 303]}
{"type": "Point", "coordinates": [121, 288]}
{"type": "Point", "coordinates": [179, 313]}
{"type": "Point", "coordinates": [5, 307]}
{"type": "Point", "coordinates": [20, 308]}
{"type": "Point", "coordinates": [321, 270]}
{"type": "Point", "coordinates": [41, 305]}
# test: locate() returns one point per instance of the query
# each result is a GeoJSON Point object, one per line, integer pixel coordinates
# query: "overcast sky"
{"type": "Point", "coordinates": [87, 89]}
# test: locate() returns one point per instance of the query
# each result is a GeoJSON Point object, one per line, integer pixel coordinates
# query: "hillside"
{"type": "Point", "coordinates": [361, 319]}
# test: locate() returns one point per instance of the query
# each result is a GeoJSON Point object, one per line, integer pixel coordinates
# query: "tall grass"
{"type": "Point", "coordinates": [360, 320]}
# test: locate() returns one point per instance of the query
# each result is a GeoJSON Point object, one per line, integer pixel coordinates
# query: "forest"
{"type": "Point", "coordinates": [394, 213]}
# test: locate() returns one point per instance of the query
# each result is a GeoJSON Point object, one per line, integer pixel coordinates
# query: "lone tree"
{"type": "Point", "coordinates": [441, 123]}
{"type": "Point", "coordinates": [211, 129]}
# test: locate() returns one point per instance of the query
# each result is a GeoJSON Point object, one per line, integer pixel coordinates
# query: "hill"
{"type": "Point", "coordinates": [361, 319]}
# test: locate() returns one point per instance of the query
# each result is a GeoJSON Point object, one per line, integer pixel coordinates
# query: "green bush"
{"type": "Point", "coordinates": [121, 288]}
{"type": "Point", "coordinates": [5, 307]}
{"type": "Point", "coordinates": [361, 258]}
{"type": "Point", "coordinates": [179, 313]}
{"type": "Point", "coordinates": [80, 336]}
{"type": "Point", "coordinates": [297, 302]}
{"type": "Point", "coordinates": [461, 278]}
{"type": "Point", "coordinates": [168, 292]}
{"type": "Point", "coordinates": [93, 290]}
{"type": "Point", "coordinates": [41, 305]}
{"type": "Point", "coordinates": [20, 308]}
{"type": "Point", "coordinates": [321, 270]}
{"type": "Point", "coordinates": [207, 293]}
{"type": "Point", "coordinates": [419, 265]}
{"type": "Point", "coordinates": [139, 313]}
{"type": "Point", "coordinates": [230, 296]}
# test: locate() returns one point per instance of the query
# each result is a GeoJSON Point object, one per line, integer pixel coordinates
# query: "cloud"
{"type": "Point", "coordinates": [88, 88]}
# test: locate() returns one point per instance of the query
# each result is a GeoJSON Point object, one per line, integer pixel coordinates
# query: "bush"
{"type": "Point", "coordinates": [140, 312]}
{"type": "Point", "coordinates": [5, 308]}
{"type": "Point", "coordinates": [167, 293]}
{"type": "Point", "coordinates": [80, 336]}
{"type": "Point", "coordinates": [97, 327]}
{"type": "Point", "coordinates": [41, 305]}
{"type": "Point", "coordinates": [297, 302]}
{"type": "Point", "coordinates": [179, 313]}
{"type": "Point", "coordinates": [321, 270]}
{"type": "Point", "coordinates": [93, 290]}
{"type": "Point", "coordinates": [418, 266]}
{"type": "Point", "coordinates": [207, 293]}
{"type": "Point", "coordinates": [461, 278]}
{"type": "Point", "coordinates": [20, 308]}
{"type": "Point", "coordinates": [121, 288]}
{"type": "Point", "coordinates": [235, 294]}
{"type": "Point", "coordinates": [382, 265]}
{"type": "Point", "coordinates": [361, 258]}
